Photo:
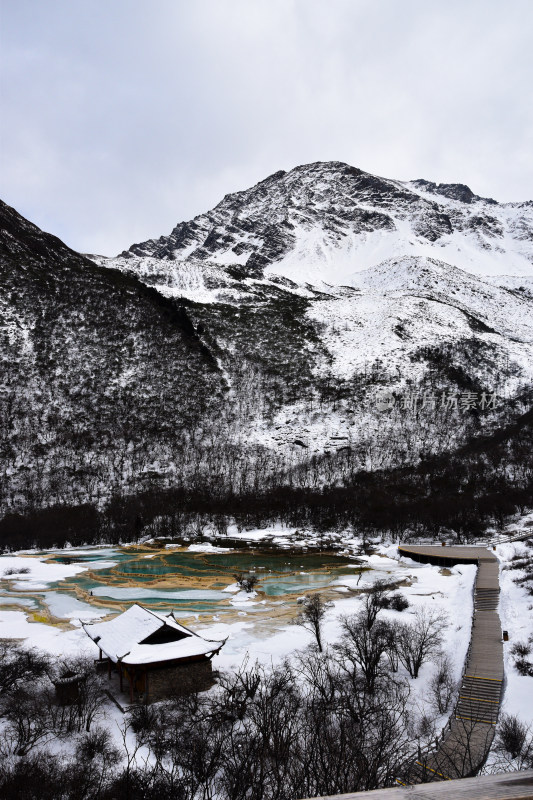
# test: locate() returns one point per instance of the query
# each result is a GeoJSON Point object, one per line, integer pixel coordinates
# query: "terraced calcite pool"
{"type": "Point", "coordinates": [178, 579]}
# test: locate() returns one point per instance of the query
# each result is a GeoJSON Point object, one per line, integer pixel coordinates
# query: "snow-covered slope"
{"type": "Point", "coordinates": [501, 310]}
{"type": "Point", "coordinates": [402, 285]}
{"type": "Point", "coordinates": [386, 268]}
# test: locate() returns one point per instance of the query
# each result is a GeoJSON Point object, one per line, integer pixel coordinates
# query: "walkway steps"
{"type": "Point", "coordinates": [462, 751]}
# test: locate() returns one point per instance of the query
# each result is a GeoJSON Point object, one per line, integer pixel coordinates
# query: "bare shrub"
{"type": "Point", "coordinates": [37, 776]}
{"type": "Point", "coordinates": [513, 744]}
{"type": "Point", "coordinates": [521, 649]}
{"type": "Point", "coordinates": [523, 667]}
{"type": "Point", "coordinates": [396, 601]}
{"type": "Point", "coordinates": [246, 582]}
{"type": "Point", "coordinates": [143, 719]}
{"type": "Point", "coordinates": [15, 571]}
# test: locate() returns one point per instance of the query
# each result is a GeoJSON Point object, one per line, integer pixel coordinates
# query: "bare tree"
{"type": "Point", "coordinates": [27, 714]}
{"type": "Point", "coordinates": [442, 685]}
{"type": "Point", "coordinates": [374, 601]}
{"type": "Point", "coordinates": [391, 649]}
{"type": "Point", "coordinates": [365, 647]}
{"type": "Point", "coordinates": [311, 616]}
{"type": "Point", "coordinates": [420, 641]}
{"type": "Point", "coordinates": [95, 761]}
{"type": "Point", "coordinates": [264, 735]}
{"type": "Point", "coordinates": [18, 664]}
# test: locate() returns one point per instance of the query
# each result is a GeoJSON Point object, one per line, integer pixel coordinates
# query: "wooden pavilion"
{"type": "Point", "coordinates": [157, 655]}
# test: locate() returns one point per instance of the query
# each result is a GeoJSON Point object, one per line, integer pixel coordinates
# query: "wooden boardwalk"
{"type": "Point", "coordinates": [463, 748]}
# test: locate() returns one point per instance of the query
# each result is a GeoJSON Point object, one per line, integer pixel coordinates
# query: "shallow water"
{"type": "Point", "coordinates": [180, 580]}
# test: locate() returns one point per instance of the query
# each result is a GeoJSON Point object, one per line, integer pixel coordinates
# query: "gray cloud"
{"type": "Point", "coordinates": [120, 119]}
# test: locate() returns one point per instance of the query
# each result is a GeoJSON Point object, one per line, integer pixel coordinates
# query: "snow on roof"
{"type": "Point", "coordinates": [140, 636]}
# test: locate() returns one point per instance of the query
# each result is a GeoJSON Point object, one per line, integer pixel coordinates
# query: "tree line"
{"type": "Point", "coordinates": [485, 482]}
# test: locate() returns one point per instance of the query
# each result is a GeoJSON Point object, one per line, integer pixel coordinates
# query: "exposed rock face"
{"type": "Point", "coordinates": [454, 191]}
{"type": "Point", "coordinates": [316, 211]}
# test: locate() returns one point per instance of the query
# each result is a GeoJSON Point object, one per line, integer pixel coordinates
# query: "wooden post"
{"type": "Point", "coordinates": [131, 676]}
{"type": "Point", "coordinates": [108, 668]}
{"type": "Point", "coordinates": [99, 654]}
{"type": "Point", "coordinates": [120, 675]}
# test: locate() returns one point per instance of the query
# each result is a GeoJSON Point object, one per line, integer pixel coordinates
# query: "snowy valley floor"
{"type": "Point", "coordinates": [253, 637]}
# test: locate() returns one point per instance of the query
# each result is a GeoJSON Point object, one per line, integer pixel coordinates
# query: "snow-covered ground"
{"type": "Point", "coordinates": [250, 637]}
{"type": "Point", "coordinates": [516, 614]}
{"type": "Point", "coordinates": [425, 586]}
{"type": "Point", "coordinates": [262, 629]}
{"type": "Point", "coordinates": [35, 573]}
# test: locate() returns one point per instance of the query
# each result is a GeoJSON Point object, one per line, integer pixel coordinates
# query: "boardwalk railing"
{"type": "Point", "coordinates": [492, 542]}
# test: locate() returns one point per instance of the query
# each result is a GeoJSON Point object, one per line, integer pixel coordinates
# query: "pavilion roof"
{"type": "Point", "coordinates": [141, 636]}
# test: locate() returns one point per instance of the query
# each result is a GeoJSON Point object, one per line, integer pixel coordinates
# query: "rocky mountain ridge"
{"type": "Point", "coordinates": [326, 221]}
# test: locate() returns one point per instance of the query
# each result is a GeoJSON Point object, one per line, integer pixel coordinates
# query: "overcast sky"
{"type": "Point", "coordinates": [121, 118]}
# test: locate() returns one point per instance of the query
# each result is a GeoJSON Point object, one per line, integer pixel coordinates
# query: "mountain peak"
{"type": "Point", "coordinates": [325, 220]}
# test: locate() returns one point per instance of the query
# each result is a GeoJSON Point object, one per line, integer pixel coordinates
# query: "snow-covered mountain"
{"type": "Point", "coordinates": [321, 323]}
{"type": "Point", "coordinates": [382, 270]}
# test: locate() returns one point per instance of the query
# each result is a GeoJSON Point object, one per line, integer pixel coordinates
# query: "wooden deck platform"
{"type": "Point", "coordinates": [508, 786]}
{"type": "Point", "coordinates": [455, 554]}
{"type": "Point", "coordinates": [464, 747]}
